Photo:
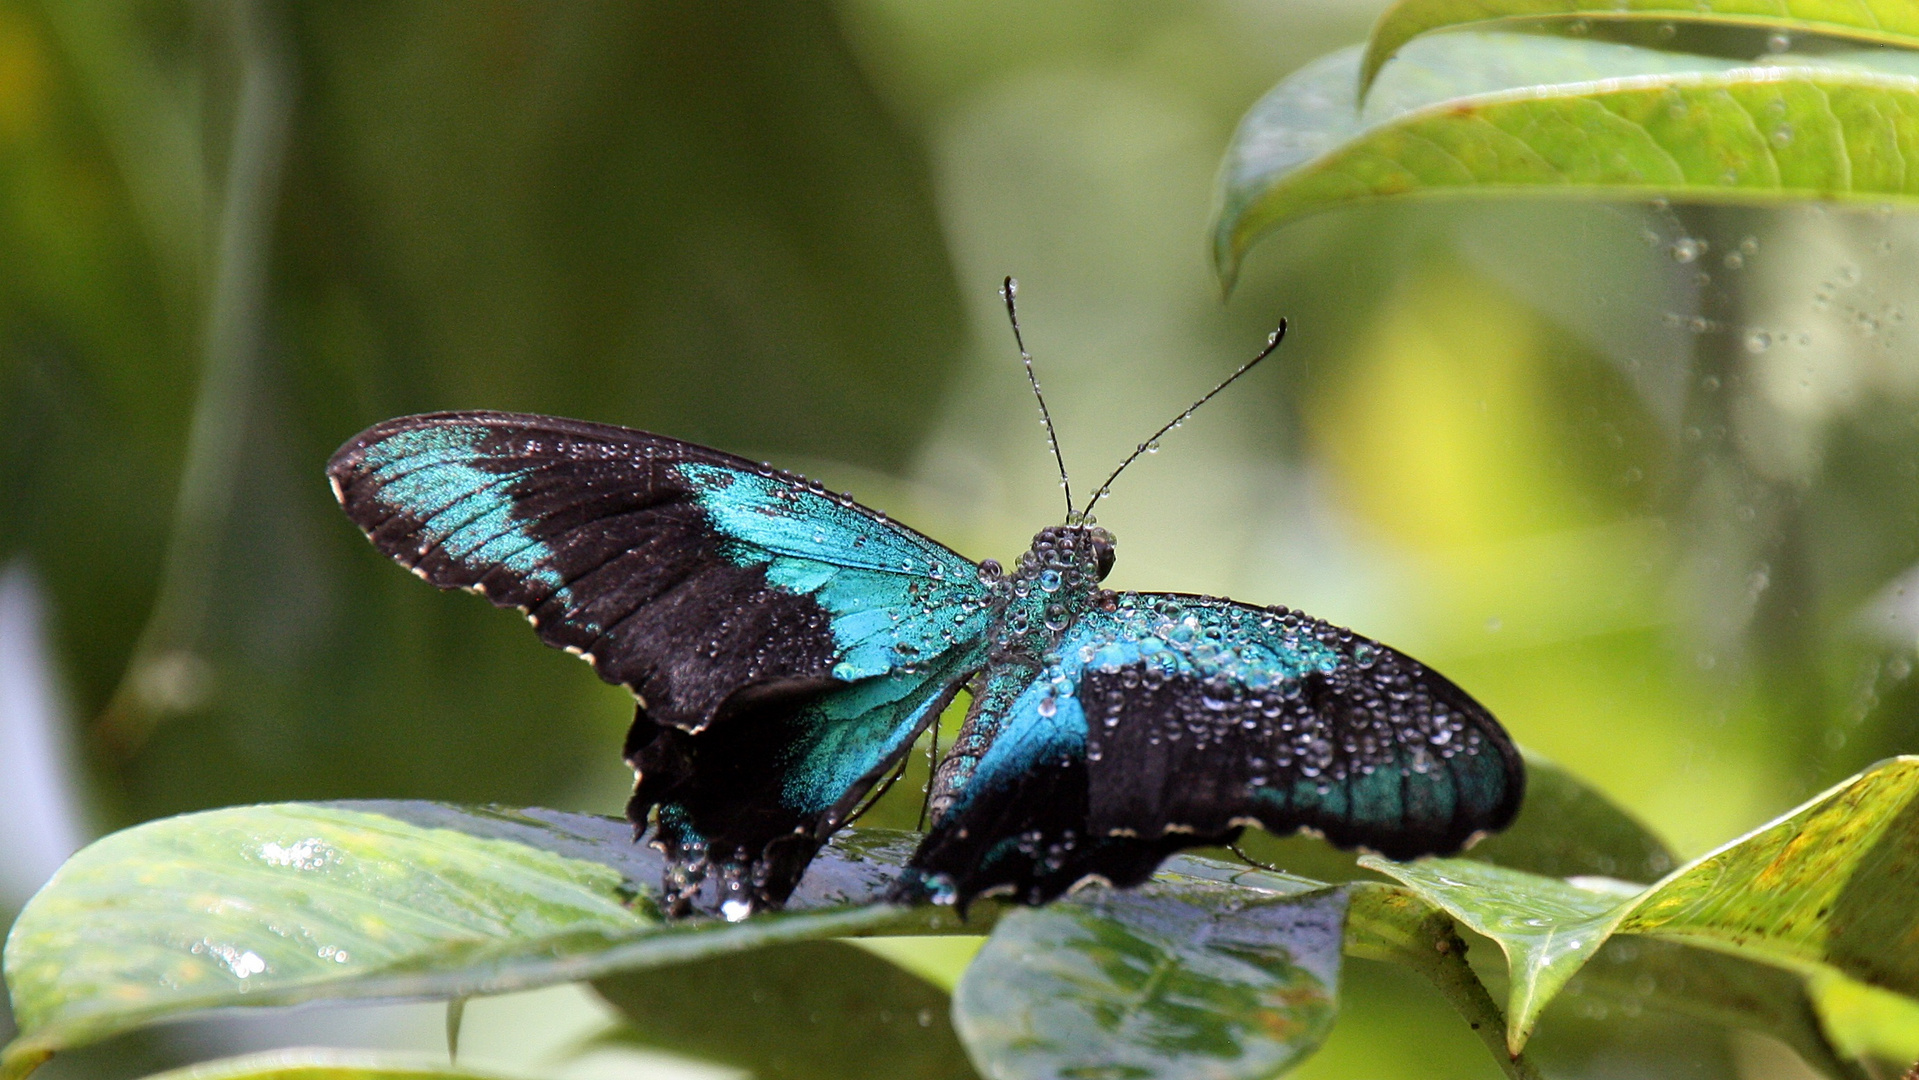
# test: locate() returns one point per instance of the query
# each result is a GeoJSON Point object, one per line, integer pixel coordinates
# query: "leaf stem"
{"type": "Point", "coordinates": [1391, 924]}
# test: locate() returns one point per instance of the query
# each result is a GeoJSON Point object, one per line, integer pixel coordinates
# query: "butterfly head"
{"type": "Point", "coordinates": [1067, 557]}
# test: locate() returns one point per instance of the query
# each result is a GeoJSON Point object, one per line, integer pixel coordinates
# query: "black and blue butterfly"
{"type": "Point", "coordinates": [787, 646]}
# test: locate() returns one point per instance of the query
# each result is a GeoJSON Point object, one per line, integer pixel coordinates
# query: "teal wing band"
{"type": "Point", "coordinates": [894, 598]}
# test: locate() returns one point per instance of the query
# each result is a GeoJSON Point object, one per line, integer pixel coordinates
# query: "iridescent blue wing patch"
{"type": "Point", "coordinates": [687, 575]}
{"type": "Point", "coordinates": [1173, 721]}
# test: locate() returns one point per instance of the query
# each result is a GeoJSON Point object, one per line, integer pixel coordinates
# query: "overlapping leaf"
{"type": "Point", "coordinates": [1471, 112]}
{"type": "Point", "coordinates": [1211, 963]}
{"type": "Point", "coordinates": [1884, 22]}
{"type": "Point", "coordinates": [1182, 977]}
{"type": "Point", "coordinates": [1828, 889]}
{"type": "Point", "coordinates": [271, 905]}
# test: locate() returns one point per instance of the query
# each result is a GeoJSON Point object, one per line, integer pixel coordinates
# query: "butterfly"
{"type": "Point", "coordinates": [787, 646]}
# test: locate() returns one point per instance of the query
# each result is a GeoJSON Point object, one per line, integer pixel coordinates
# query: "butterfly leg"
{"type": "Point", "coordinates": [741, 807]}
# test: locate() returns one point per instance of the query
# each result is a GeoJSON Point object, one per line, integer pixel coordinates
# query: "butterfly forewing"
{"type": "Point", "coordinates": [682, 573]}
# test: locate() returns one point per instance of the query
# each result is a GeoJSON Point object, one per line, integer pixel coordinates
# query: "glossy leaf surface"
{"type": "Point", "coordinates": [1827, 888]}
{"type": "Point", "coordinates": [1876, 22]}
{"type": "Point", "coordinates": [1182, 977]}
{"type": "Point", "coordinates": [1470, 113]}
{"type": "Point", "coordinates": [271, 905]}
{"type": "Point", "coordinates": [1547, 927]}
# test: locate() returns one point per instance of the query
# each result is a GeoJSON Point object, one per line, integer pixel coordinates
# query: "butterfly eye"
{"type": "Point", "coordinates": [1103, 557]}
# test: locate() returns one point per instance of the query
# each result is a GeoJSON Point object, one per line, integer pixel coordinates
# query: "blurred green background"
{"type": "Point", "coordinates": [1642, 478]}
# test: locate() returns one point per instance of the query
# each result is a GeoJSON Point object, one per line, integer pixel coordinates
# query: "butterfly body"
{"type": "Point", "coordinates": [786, 646]}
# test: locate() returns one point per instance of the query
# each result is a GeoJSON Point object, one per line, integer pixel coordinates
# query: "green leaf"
{"type": "Point", "coordinates": [1398, 926]}
{"type": "Point", "coordinates": [1547, 928]}
{"type": "Point", "coordinates": [1179, 977]}
{"type": "Point", "coordinates": [1864, 1021]}
{"type": "Point", "coordinates": [940, 960]}
{"type": "Point", "coordinates": [1566, 828]}
{"type": "Point", "coordinates": [1472, 113]}
{"type": "Point", "coordinates": [270, 905]}
{"type": "Point", "coordinates": [1825, 889]}
{"type": "Point", "coordinates": [810, 1010]}
{"type": "Point", "coordinates": [1831, 885]}
{"type": "Point", "coordinates": [1885, 22]}
{"type": "Point", "coordinates": [315, 1064]}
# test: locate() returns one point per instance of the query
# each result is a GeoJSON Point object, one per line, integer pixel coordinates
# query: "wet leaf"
{"type": "Point", "coordinates": [1180, 977]}
{"type": "Point", "coordinates": [270, 905]}
{"type": "Point", "coordinates": [1485, 113]}
{"type": "Point", "coordinates": [313, 1064]}
{"type": "Point", "coordinates": [1398, 926]}
{"type": "Point", "coordinates": [811, 1010]}
{"type": "Point", "coordinates": [1831, 885]}
{"type": "Point", "coordinates": [1547, 927]}
{"type": "Point", "coordinates": [1883, 23]}
{"type": "Point", "coordinates": [1827, 888]}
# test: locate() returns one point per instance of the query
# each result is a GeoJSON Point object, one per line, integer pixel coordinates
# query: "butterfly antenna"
{"type": "Point", "coordinates": [1009, 291]}
{"type": "Point", "coordinates": [1152, 443]}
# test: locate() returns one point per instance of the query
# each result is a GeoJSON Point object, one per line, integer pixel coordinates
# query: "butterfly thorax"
{"type": "Point", "coordinates": [1054, 582]}
{"type": "Point", "coordinates": [1052, 585]}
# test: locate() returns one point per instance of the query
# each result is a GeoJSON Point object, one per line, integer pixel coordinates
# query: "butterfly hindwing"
{"type": "Point", "coordinates": [1203, 713]}
{"type": "Point", "coordinates": [786, 644]}
{"type": "Point", "coordinates": [1010, 803]}
{"type": "Point", "coordinates": [1173, 721]}
{"type": "Point", "coordinates": [746, 804]}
